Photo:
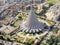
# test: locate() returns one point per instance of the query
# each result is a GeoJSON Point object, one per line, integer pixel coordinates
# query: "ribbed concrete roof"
{"type": "Point", "coordinates": [32, 25]}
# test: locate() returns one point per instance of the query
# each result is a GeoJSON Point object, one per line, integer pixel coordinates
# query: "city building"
{"type": "Point", "coordinates": [53, 11]}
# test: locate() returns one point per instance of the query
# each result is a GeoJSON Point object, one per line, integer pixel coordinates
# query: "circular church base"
{"type": "Point", "coordinates": [31, 31]}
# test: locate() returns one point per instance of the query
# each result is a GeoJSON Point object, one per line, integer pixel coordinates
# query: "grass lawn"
{"type": "Point", "coordinates": [47, 21]}
{"type": "Point", "coordinates": [17, 23]}
{"type": "Point", "coordinates": [52, 1]}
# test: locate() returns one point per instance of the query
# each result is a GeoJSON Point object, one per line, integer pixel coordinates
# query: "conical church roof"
{"type": "Point", "coordinates": [32, 25]}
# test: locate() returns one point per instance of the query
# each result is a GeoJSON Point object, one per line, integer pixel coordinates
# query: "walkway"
{"type": "Point", "coordinates": [39, 43]}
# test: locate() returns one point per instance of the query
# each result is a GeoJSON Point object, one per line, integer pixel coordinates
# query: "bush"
{"type": "Point", "coordinates": [20, 18]}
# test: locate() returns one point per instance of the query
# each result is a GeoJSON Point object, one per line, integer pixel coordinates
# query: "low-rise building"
{"type": "Point", "coordinates": [53, 11]}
